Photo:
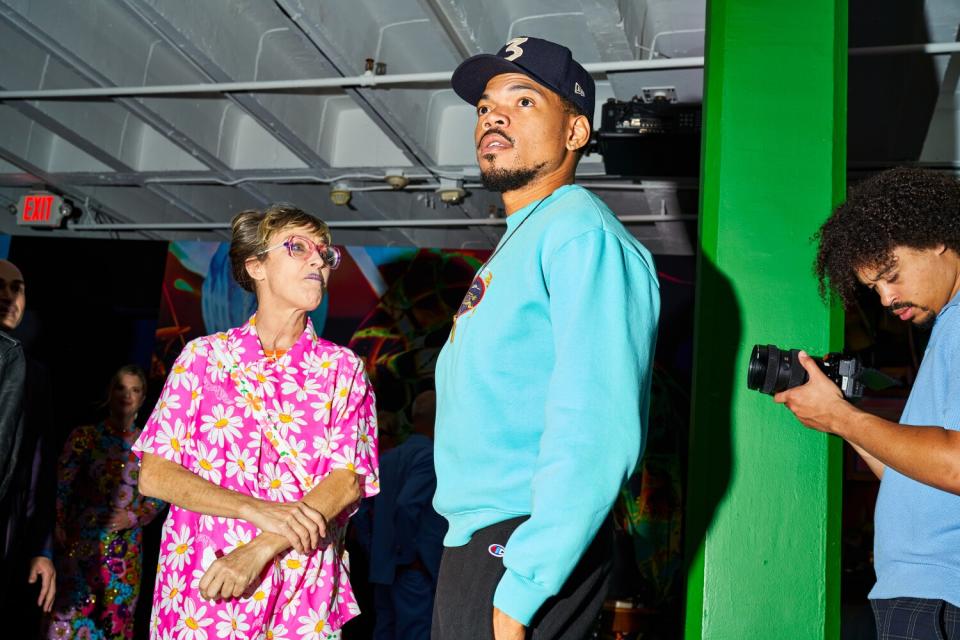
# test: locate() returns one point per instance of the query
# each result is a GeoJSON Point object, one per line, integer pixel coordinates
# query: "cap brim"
{"type": "Point", "coordinates": [471, 77]}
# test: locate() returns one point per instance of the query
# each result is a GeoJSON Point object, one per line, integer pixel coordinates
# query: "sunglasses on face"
{"type": "Point", "coordinates": [303, 249]}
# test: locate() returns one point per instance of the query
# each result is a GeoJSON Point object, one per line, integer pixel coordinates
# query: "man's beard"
{"type": "Point", "coordinates": [927, 323]}
{"type": "Point", "coordinates": [504, 180]}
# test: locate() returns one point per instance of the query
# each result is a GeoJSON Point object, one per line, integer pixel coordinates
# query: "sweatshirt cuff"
{"type": "Point", "coordinates": [519, 597]}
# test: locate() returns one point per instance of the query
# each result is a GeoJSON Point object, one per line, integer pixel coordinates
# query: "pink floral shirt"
{"type": "Point", "coordinates": [321, 404]}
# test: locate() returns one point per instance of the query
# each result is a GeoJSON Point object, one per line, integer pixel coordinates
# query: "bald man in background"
{"type": "Point", "coordinates": [27, 472]}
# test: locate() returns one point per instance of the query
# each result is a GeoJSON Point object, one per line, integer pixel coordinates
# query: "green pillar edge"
{"type": "Point", "coordinates": [764, 493]}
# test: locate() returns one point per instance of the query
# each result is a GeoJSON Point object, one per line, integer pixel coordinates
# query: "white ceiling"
{"type": "Point", "coordinates": [201, 158]}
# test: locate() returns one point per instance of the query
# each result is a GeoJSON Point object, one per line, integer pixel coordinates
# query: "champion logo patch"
{"type": "Point", "coordinates": [496, 550]}
{"type": "Point", "coordinates": [577, 89]}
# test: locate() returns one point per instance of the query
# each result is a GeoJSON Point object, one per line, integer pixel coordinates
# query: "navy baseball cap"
{"type": "Point", "coordinates": [549, 63]}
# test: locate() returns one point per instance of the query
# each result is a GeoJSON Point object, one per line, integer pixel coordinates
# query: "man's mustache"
{"type": "Point", "coordinates": [499, 132]}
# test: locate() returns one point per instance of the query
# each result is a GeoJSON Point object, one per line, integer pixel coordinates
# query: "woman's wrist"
{"type": "Point", "coordinates": [248, 509]}
{"type": "Point", "coordinates": [271, 543]}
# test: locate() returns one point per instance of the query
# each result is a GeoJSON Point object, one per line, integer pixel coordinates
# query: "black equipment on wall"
{"type": "Point", "coordinates": [649, 138]}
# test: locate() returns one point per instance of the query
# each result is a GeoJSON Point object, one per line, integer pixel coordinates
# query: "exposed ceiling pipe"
{"type": "Point", "coordinates": [371, 80]}
{"type": "Point", "coordinates": [930, 48]}
{"type": "Point", "coordinates": [357, 224]}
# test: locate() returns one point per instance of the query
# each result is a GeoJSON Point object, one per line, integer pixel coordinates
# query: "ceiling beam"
{"type": "Point", "coordinates": [98, 153]}
{"type": "Point", "coordinates": [367, 99]}
{"type": "Point", "coordinates": [456, 31]}
{"type": "Point", "coordinates": [30, 31]}
{"type": "Point", "coordinates": [245, 101]}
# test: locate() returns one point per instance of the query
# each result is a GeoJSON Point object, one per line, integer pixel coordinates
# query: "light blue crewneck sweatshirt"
{"type": "Point", "coordinates": [544, 387]}
{"type": "Point", "coordinates": [917, 528]}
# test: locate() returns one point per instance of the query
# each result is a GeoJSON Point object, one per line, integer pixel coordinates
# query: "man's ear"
{"type": "Point", "coordinates": [940, 248]}
{"type": "Point", "coordinates": [254, 269]}
{"type": "Point", "coordinates": [579, 132]}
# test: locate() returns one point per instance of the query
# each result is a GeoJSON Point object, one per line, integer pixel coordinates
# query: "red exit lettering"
{"type": "Point", "coordinates": [37, 208]}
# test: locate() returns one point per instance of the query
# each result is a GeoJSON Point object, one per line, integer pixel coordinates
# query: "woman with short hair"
{"type": "Point", "coordinates": [263, 441]}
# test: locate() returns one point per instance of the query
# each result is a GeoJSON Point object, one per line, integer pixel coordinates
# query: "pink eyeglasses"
{"type": "Point", "coordinates": [303, 248]}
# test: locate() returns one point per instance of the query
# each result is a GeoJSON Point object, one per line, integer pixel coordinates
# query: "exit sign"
{"type": "Point", "coordinates": [40, 210]}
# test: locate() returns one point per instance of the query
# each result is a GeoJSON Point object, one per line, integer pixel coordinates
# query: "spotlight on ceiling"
{"type": "Point", "coordinates": [340, 194]}
{"type": "Point", "coordinates": [396, 179]}
{"type": "Point", "coordinates": [451, 191]}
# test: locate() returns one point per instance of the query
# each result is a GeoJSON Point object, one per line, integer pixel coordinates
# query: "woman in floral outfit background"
{"type": "Point", "coordinates": [100, 515]}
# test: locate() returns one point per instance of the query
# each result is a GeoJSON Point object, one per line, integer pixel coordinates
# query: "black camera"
{"type": "Point", "coordinates": [772, 370]}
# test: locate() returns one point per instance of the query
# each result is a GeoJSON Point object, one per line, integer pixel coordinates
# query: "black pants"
{"type": "Point", "coordinates": [469, 576]}
{"type": "Point", "coordinates": [916, 619]}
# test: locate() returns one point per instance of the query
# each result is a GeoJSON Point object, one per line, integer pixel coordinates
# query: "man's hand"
{"type": "Point", "coordinates": [42, 567]}
{"type": "Point", "coordinates": [303, 526]}
{"type": "Point", "coordinates": [819, 403]}
{"type": "Point", "coordinates": [231, 575]}
{"type": "Point", "coordinates": [506, 628]}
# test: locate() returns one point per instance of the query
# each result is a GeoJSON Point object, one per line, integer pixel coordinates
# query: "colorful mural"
{"type": "Point", "coordinates": [392, 306]}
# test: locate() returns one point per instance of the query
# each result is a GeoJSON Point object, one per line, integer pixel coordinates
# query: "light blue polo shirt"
{"type": "Point", "coordinates": [917, 538]}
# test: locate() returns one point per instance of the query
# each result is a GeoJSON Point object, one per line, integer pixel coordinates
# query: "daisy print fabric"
{"type": "Point", "coordinates": [321, 406]}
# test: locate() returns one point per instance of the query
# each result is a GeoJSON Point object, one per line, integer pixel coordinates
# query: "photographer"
{"type": "Point", "coordinates": [899, 234]}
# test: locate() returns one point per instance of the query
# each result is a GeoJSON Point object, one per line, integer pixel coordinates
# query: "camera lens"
{"type": "Point", "coordinates": [771, 370]}
{"type": "Point", "coordinates": [758, 367]}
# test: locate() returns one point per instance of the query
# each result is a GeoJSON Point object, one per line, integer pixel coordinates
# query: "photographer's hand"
{"type": "Point", "coordinates": [819, 403]}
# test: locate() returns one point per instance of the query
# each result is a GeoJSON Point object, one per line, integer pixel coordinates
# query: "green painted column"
{"type": "Point", "coordinates": [763, 506]}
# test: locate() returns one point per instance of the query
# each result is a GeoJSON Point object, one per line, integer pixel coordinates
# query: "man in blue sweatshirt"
{"type": "Point", "coordinates": [897, 234]}
{"type": "Point", "coordinates": [543, 386]}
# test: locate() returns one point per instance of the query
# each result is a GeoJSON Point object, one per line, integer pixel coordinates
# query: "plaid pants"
{"type": "Point", "coordinates": [916, 619]}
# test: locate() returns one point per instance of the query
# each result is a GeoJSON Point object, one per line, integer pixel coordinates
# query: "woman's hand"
{"type": "Point", "coordinates": [303, 526]}
{"type": "Point", "coordinates": [231, 575]}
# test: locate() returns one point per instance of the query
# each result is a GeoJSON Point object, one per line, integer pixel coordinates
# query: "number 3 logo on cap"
{"type": "Point", "coordinates": [513, 47]}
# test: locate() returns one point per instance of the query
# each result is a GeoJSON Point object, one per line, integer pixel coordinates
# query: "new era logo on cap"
{"type": "Point", "coordinates": [548, 63]}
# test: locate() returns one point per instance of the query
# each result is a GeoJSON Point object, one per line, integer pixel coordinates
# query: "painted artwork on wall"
{"type": "Point", "coordinates": [393, 306]}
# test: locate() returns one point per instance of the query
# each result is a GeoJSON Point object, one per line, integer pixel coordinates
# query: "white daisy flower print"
{"type": "Point", "coordinates": [241, 463]}
{"type": "Point", "coordinates": [278, 632]}
{"type": "Point", "coordinates": [343, 460]}
{"type": "Point", "coordinates": [312, 626]}
{"type": "Point", "coordinates": [340, 396]}
{"type": "Point", "coordinates": [288, 415]}
{"type": "Point", "coordinates": [267, 381]}
{"type": "Point", "coordinates": [221, 425]}
{"type": "Point", "coordinates": [170, 440]}
{"type": "Point", "coordinates": [280, 482]}
{"type": "Point", "coordinates": [216, 371]}
{"type": "Point", "coordinates": [233, 622]}
{"type": "Point", "coordinates": [168, 403]}
{"type": "Point", "coordinates": [293, 566]}
{"type": "Point", "coordinates": [193, 622]}
{"type": "Point", "coordinates": [236, 537]}
{"type": "Point", "coordinates": [258, 601]}
{"type": "Point", "coordinates": [172, 593]}
{"type": "Point", "coordinates": [180, 548]}
{"type": "Point", "coordinates": [191, 386]}
{"type": "Point", "coordinates": [322, 407]}
{"type": "Point", "coordinates": [208, 463]}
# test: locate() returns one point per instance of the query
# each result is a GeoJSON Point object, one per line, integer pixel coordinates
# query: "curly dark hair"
{"type": "Point", "coordinates": [903, 207]}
